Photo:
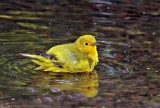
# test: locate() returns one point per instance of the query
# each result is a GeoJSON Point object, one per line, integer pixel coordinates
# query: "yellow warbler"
{"type": "Point", "coordinates": [80, 56]}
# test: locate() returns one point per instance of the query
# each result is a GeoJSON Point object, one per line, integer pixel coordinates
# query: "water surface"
{"type": "Point", "coordinates": [128, 33]}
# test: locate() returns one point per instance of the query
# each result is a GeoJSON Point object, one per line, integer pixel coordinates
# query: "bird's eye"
{"type": "Point", "coordinates": [86, 44]}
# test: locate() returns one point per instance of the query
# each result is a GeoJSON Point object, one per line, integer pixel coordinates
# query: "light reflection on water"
{"type": "Point", "coordinates": [85, 84]}
{"type": "Point", "coordinates": [128, 36]}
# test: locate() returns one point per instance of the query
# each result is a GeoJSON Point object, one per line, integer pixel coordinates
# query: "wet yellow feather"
{"type": "Point", "coordinates": [80, 56]}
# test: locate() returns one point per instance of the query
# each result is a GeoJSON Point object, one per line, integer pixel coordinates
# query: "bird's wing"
{"type": "Point", "coordinates": [66, 54]}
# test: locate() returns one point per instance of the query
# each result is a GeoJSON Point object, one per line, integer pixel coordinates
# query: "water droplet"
{"type": "Point", "coordinates": [153, 33]}
{"type": "Point", "coordinates": [144, 13]}
{"type": "Point", "coordinates": [55, 90]}
{"type": "Point", "coordinates": [13, 99]}
{"type": "Point", "coordinates": [94, 23]}
{"type": "Point", "coordinates": [127, 18]}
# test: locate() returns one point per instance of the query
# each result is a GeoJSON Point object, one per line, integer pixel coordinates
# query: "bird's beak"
{"type": "Point", "coordinates": [95, 44]}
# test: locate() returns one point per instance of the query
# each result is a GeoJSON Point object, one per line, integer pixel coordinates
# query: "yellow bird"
{"type": "Point", "coordinates": [80, 56]}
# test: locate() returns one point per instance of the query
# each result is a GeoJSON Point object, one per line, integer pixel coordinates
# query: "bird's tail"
{"type": "Point", "coordinates": [44, 63]}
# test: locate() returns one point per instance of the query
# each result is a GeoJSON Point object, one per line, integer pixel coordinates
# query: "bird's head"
{"type": "Point", "coordinates": [87, 45]}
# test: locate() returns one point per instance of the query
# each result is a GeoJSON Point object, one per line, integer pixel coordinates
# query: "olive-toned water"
{"type": "Point", "coordinates": [128, 35]}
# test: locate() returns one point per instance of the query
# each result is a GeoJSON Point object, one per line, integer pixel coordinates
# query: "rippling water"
{"type": "Point", "coordinates": [128, 33]}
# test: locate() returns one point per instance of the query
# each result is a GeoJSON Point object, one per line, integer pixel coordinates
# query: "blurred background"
{"type": "Point", "coordinates": [128, 33]}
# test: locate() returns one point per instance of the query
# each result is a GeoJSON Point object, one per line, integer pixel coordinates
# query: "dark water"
{"type": "Point", "coordinates": [128, 33]}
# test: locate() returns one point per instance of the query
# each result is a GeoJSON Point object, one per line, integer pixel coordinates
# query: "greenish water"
{"type": "Point", "coordinates": [128, 33]}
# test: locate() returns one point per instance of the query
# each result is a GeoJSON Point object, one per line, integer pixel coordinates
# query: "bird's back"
{"type": "Point", "coordinates": [70, 57]}
{"type": "Point", "coordinates": [64, 53]}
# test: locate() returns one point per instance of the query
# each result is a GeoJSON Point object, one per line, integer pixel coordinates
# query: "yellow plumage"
{"type": "Point", "coordinates": [80, 56]}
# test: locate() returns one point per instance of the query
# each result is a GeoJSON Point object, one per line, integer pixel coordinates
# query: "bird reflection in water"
{"type": "Point", "coordinates": [85, 84]}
